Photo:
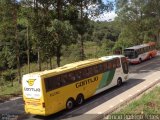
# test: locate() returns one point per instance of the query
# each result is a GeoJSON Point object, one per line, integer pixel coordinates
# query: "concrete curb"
{"type": "Point", "coordinates": [101, 116]}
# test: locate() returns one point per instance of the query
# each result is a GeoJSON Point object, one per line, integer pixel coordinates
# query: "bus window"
{"type": "Point", "coordinates": [71, 77]}
{"type": "Point", "coordinates": [52, 83]}
{"type": "Point", "coordinates": [78, 75]}
{"type": "Point", "coordinates": [100, 68]}
{"type": "Point", "coordinates": [124, 65]}
{"type": "Point", "coordinates": [105, 66]}
{"type": "Point", "coordinates": [64, 79]}
{"type": "Point", "coordinates": [118, 63]}
{"type": "Point", "coordinates": [136, 54]}
{"type": "Point", "coordinates": [95, 68]}
{"type": "Point", "coordinates": [130, 53]}
{"type": "Point", "coordinates": [90, 71]}
{"type": "Point", "coordinates": [114, 62]}
{"type": "Point", "coordinates": [110, 65]}
{"type": "Point", "coordinates": [85, 73]}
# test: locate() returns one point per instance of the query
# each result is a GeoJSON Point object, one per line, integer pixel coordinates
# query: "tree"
{"type": "Point", "coordinates": [137, 21]}
{"type": "Point", "coordinates": [82, 21]}
{"type": "Point", "coordinates": [8, 32]}
{"type": "Point", "coordinates": [62, 34]}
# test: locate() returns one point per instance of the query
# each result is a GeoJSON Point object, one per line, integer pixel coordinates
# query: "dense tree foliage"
{"type": "Point", "coordinates": [41, 30]}
{"type": "Point", "coordinates": [139, 21]}
{"type": "Point", "coordinates": [37, 30]}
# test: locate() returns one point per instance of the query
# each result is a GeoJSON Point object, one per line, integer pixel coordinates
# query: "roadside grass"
{"type": "Point", "coordinates": [149, 103]}
{"type": "Point", "coordinates": [8, 91]}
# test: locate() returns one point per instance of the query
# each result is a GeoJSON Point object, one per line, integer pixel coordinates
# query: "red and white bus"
{"type": "Point", "coordinates": [139, 53]}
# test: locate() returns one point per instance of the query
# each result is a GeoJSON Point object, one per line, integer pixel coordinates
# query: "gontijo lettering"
{"type": "Point", "coordinates": [32, 89]}
{"type": "Point", "coordinates": [85, 82]}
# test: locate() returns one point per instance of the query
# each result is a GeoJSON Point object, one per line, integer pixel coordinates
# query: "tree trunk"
{"type": "Point", "coordinates": [59, 9]}
{"type": "Point", "coordinates": [58, 54]}
{"type": "Point", "coordinates": [28, 55]}
{"type": "Point", "coordinates": [17, 43]}
{"type": "Point", "coordinates": [39, 60]}
{"type": "Point", "coordinates": [81, 48]}
{"type": "Point", "coordinates": [50, 62]}
{"type": "Point", "coordinates": [81, 40]}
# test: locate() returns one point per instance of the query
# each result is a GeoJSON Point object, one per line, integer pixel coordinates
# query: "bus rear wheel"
{"type": "Point", "coordinates": [140, 60]}
{"type": "Point", "coordinates": [79, 99]}
{"type": "Point", "coordinates": [69, 104]}
{"type": "Point", "coordinates": [119, 82]}
{"type": "Point", "coordinates": [150, 57]}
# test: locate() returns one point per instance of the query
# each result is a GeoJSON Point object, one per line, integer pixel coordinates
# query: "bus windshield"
{"type": "Point", "coordinates": [130, 53]}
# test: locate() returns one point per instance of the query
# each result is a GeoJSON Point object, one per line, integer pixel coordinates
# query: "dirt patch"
{"type": "Point", "coordinates": [151, 104]}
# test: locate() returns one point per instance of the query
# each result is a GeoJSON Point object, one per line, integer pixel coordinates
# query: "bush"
{"type": "Point", "coordinates": [8, 75]}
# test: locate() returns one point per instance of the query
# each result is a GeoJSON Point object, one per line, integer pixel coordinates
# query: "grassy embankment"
{"type": "Point", "coordinates": [148, 104]}
{"type": "Point", "coordinates": [7, 91]}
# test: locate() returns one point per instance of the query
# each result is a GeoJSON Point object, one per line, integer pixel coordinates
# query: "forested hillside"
{"type": "Point", "coordinates": [43, 34]}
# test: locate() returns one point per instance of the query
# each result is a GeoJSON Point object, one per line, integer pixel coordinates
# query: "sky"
{"type": "Point", "coordinates": [107, 16]}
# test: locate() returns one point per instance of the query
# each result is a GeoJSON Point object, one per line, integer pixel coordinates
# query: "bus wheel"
{"type": "Point", "coordinates": [140, 60]}
{"type": "Point", "coordinates": [69, 104]}
{"type": "Point", "coordinates": [150, 57]}
{"type": "Point", "coordinates": [79, 99]}
{"type": "Point", "coordinates": [119, 82]}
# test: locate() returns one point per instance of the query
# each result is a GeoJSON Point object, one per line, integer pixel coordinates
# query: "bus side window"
{"type": "Point", "coordinates": [118, 63]}
{"type": "Point", "coordinates": [124, 65]}
{"type": "Point", "coordinates": [90, 71]}
{"type": "Point", "coordinates": [150, 48]}
{"type": "Point", "coordinates": [110, 65]}
{"type": "Point", "coordinates": [141, 50]}
{"type": "Point", "coordinates": [153, 47]}
{"type": "Point", "coordinates": [115, 63]}
{"type": "Point", "coordinates": [52, 83]}
{"type": "Point", "coordinates": [100, 68]}
{"type": "Point", "coordinates": [147, 49]}
{"type": "Point", "coordinates": [95, 69]}
{"type": "Point", "coordinates": [85, 73]}
{"type": "Point", "coordinates": [78, 75]}
{"type": "Point", "coordinates": [71, 77]}
{"type": "Point", "coordinates": [105, 66]}
{"type": "Point", "coordinates": [64, 79]}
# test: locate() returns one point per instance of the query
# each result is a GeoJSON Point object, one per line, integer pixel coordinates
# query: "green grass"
{"type": "Point", "coordinates": [148, 104]}
{"type": "Point", "coordinates": [8, 91]}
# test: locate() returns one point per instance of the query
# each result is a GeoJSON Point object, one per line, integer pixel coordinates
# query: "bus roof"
{"type": "Point", "coordinates": [137, 47]}
{"type": "Point", "coordinates": [75, 66]}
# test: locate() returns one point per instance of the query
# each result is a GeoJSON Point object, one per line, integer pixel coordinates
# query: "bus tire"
{"type": "Point", "coordinates": [70, 103]}
{"type": "Point", "coordinates": [150, 57]}
{"type": "Point", "coordinates": [119, 82]}
{"type": "Point", "coordinates": [140, 60]}
{"type": "Point", "coordinates": [79, 99]}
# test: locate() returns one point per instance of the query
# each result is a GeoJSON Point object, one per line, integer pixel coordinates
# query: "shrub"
{"type": "Point", "coordinates": [8, 75]}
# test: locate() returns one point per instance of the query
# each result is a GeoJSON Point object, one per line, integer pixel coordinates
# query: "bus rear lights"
{"type": "Point", "coordinates": [43, 105]}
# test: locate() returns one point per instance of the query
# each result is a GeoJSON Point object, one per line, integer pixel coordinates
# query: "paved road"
{"type": "Point", "coordinates": [137, 73]}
